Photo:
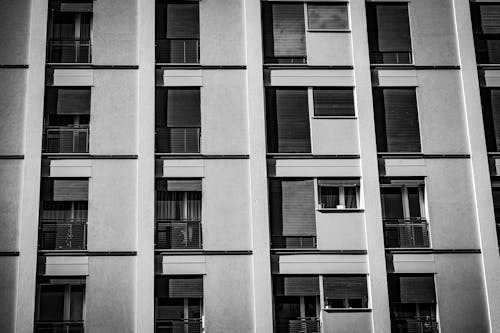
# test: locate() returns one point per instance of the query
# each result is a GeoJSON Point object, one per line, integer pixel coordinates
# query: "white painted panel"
{"type": "Point", "coordinates": [492, 78]}
{"type": "Point", "coordinates": [323, 264]}
{"type": "Point", "coordinates": [312, 77]}
{"type": "Point", "coordinates": [182, 78]}
{"type": "Point", "coordinates": [341, 231]}
{"type": "Point", "coordinates": [69, 265]}
{"type": "Point", "coordinates": [70, 168]}
{"type": "Point", "coordinates": [399, 78]}
{"type": "Point", "coordinates": [183, 168]}
{"type": "Point", "coordinates": [179, 265]}
{"type": "Point", "coordinates": [73, 77]}
{"type": "Point", "coordinates": [414, 263]}
{"type": "Point", "coordinates": [395, 167]}
{"type": "Point", "coordinates": [497, 166]}
{"type": "Point", "coordinates": [314, 168]}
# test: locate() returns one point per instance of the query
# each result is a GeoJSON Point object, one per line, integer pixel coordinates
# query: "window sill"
{"type": "Point", "coordinates": [344, 210]}
{"type": "Point", "coordinates": [330, 30]}
{"type": "Point", "coordinates": [335, 117]}
{"type": "Point", "coordinates": [347, 310]}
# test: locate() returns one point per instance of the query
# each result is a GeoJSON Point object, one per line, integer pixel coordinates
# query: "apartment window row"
{"type": "Point", "coordinates": [486, 29]}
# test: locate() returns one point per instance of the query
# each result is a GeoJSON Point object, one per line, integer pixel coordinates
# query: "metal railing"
{"type": "Point", "coordinates": [66, 139]}
{"type": "Point", "coordinates": [67, 234]}
{"type": "Point", "coordinates": [178, 51]}
{"type": "Point", "coordinates": [293, 242]}
{"type": "Point", "coordinates": [391, 57]}
{"type": "Point", "coordinates": [286, 60]}
{"type": "Point", "coordinates": [59, 327]}
{"type": "Point", "coordinates": [415, 325]}
{"type": "Point", "coordinates": [69, 51]}
{"type": "Point", "coordinates": [406, 233]}
{"type": "Point", "coordinates": [301, 325]}
{"type": "Point", "coordinates": [178, 140]}
{"type": "Point", "coordinates": [179, 325]}
{"type": "Point", "coordinates": [178, 234]}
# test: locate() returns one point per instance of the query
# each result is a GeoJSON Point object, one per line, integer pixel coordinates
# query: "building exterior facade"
{"type": "Point", "coordinates": [249, 166]}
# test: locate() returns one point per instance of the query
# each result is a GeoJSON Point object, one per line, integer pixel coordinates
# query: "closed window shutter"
{"type": "Point", "coordinates": [417, 289]}
{"type": "Point", "coordinates": [333, 102]}
{"type": "Point", "coordinates": [298, 211]}
{"type": "Point", "coordinates": [288, 121]}
{"type": "Point", "coordinates": [345, 287]}
{"type": "Point", "coordinates": [71, 189]}
{"type": "Point", "coordinates": [183, 108]}
{"type": "Point", "coordinates": [296, 285]}
{"type": "Point", "coordinates": [490, 99]}
{"type": "Point", "coordinates": [327, 16]}
{"type": "Point", "coordinates": [77, 7]}
{"type": "Point", "coordinates": [338, 182]}
{"type": "Point", "coordinates": [490, 19]}
{"type": "Point", "coordinates": [73, 101]}
{"type": "Point", "coordinates": [183, 185]}
{"type": "Point", "coordinates": [388, 27]}
{"type": "Point", "coordinates": [185, 287]}
{"type": "Point", "coordinates": [183, 21]}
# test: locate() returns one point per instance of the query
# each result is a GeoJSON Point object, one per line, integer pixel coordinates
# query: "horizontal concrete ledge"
{"type": "Point", "coordinates": [340, 211]}
{"type": "Point", "coordinates": [399, 67]}
{"type": "Point", "coordinates": [198, 156]}
{"type": "Point", "coordinates": [429, 251]}
{"type": "Point", "coordinates": [196, 66]}
{"type": "Point", "coordinates": [419, 155]}
{"type": "Point", "coordinates": [90, 66]}
{"type": "Point", "coordinates": [89, 156]}
{"type": "Point", "coordinates": [11, 157]}
{"type": "Point", "coordinates": [304, 66]}
{"type": "Point", "coordinates": [15, 66]}
{"type": "Point", "coordinates": [310, 156]}
{"type": "Point", "coordinates": [488, 66]}
{"type": "Point", "coordinates": [346, 310]}
{"type": "Point", "coordinates": [9, 253]}
{"type": "Point", "coordinates": [88, 253]}
{"type": "Point", "coordinates": [202, 252]}
{"type": "Point", "coordinates": [313, 251]}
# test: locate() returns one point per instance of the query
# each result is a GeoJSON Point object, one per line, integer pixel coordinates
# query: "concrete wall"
{"type": "Point", "coordinates": [12, 110]}
{"type": "Point", "coordinates": [113, 115]}
{"type": "Point", "coordinates": [334, 136]}
{"type": "Point", "coordinates": [329, 48]}
{"type": "Point", "coordinates": [8, 291]}
{"type": "Point", "coordinates": [110, 295]}
{"type": "Point", "coordinates": [14, 19]}
{"type": "Point", "coordinates": [222, 39]}
{"type": "Point", "coordinates": [226, 205]}
{"type": "Point", "coordinates": [340, 231]}
{"type": "Point", "coordinates": [228, 295]}
{"type": "Point", "coordinates": [114, 32]}
{"type": "Point", "coordinates": [223, 102]}
{"type": "Point", "coordinates": [347, 322]}
{"type": "Point", "coordinates": [10, 203]}
{"type": "Point", "coordinates": [112, 223]}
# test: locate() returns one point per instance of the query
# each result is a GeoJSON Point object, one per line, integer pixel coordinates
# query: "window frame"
{"type": "Point", "coordinates": [341, 186]}
{"type": "Point", "coordinates": [332, 4]}
{"type": "Point", "coordinates": [364, 301]}
{"type": "Point", "coordinates": [67, 298]}
{"type": "Point", "coordinates": [405, 199]}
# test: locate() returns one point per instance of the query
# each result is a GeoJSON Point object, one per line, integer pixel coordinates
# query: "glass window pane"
{"type": "Point", "coordinates": [194, 308]}
{"type": "Point", "coordinates": [310, 306]}
{"type": "Point", "coordinates": [392, 202]}
{"type": "Point", "coordinates": [287, 307]}
{"type": "Point", "coordinates": [414, 202]}
{"type": "Point", "coordinates": [350, 194]}
{"type": "Point", "coordinates": [51, 303]}
{"type": "Point", "coordinates": [327, 16]}
{"type": "Point", "coordinates": [329, 196]}
{"type": "Point", "coordinates": [170, 308]}
{"type": "Point", "coordinates": [76, 302]}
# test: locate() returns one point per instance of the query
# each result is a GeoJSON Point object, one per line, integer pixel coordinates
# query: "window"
{"type": "Point", "coordinates": [396, 120]}
{"type": "Point", "coordinates": [178, 304]}
{"type": "Point", "coordinates": [69, 30]}
{"type": "Point", "coordinates": [287, 113]}
{"type": "Point", "coordinates": [490, 100]}
{"type": "Point", "coordinates": [177, 32]}
{"type": "Point", "coordinates": [412, 301]}
{"type": "Point", "coordinates": [292, 213]}
{"type": "Point", "coordinates": [327, 16]}
{"type": "Point", "coordinates": [496, 205]}
{"type": "Point", "coordinates": [66, 120]}
{"type": "Point", "coordinates": [60, 305]}
{"type": "Point", "coordinates": [345, 291]}
{"type": "Point", "coordinates": [178, 214]}
{"type": "Point", "coordinates": [63, 214]}
{"type": "Point", "coordinates": [486, 29]}
{"type": "Point", "coordinates": [178, 120]}
{"type": "Point", "coordinates": [284, 33]}
{"type": "Point", "coordinates": [389, 33]}
{"type": "Point", "coordinates": [333, 102]}
{"type": "Point", "coordinates": [338, 193]}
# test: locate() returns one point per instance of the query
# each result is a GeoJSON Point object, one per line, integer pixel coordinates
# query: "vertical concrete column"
{"type": "Point", "coordinates": [485, 216]}
{"type": "Point", "coordinates": [145, 168]}
{"type": "Point", "coordinates": [28, 233]}
{"type": "Point", "coordinates": [263, 311]}
{"type": "Point", "coordinates": [369, 169]}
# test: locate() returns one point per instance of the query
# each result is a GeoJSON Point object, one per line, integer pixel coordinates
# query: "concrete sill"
{"type": "Point", "coordinates": [345, 210]}
{"type": "Point", "coordinates": [330, 30]}
{"type": "Point", "coordinates": [347, 310]}
{"type": "Point", "coordinates": [335, 117]}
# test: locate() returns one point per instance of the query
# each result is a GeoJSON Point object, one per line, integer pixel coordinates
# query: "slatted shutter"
{"type": "Point", "coordinates": [183, 107]}
{"type": "Point", "coordinates": [77, 7]}
{"type": "Point", "coordinates": [73, 101]}
{"type": "Point", "coordinates": [490, 99]}
{"type": "Point", "coordinates": [345, 287]}
{"type": "Point", "coordinates": [490, 18]}
{"type": "Point", "coordinates": [333, 102]}
{"type": "Point", "coordinates": [184, 185]}
{"type": "Point", "coordinates": [417, 289]}
{"type": "Point", "coordinates": [298, 210]}
{"type": "Point", "coordinates": [327, 16]}
{"type": "Point", "coordinates": [70, 189]}
{"type": "Point", "coordinates": [288, 121]}
{"type": "Point", "coordinates": [305, 285]}
{"type": "Point", "coordinates": [183, 20]}
{"type": "Point", "coordinates": [185, 287]}
{"type": "Point", "coordinates": [388, 27]}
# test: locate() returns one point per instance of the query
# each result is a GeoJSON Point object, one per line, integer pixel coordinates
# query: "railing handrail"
{"type": "Point", "coordinates": [62, 322]}
{"type": "Point", "coordinates": [197, 320]}
{"type": "Point", "coordinates": [69, 39]}
{"type": "Point", "coordinates": [68, 220]}
{"type": "Point", "coordinates": [421, 220]}
{"type": "Point", "coordinates": [177, 221]}
{"type": "Point", "coordinates": [68, 127]}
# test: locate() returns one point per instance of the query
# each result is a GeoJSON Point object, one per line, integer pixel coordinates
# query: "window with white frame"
{"type": "Point", "coordinates": [345, 291]}
{"type": "Point", "coordinates": [402, 200]}
{"type": "Point", "coordinates": [338, 193]}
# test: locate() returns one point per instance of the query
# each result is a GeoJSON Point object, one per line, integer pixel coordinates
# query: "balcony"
{"type": "Point", "coordinates": [67, 234]}
{"type": "Point", "coordinates": [299, 325]}
{"type": "Point", "coordinates": [178, 140]}
{"type": "Point", "coordinates": [293, 242]}
{"type": "Point", "coordinates": [69, 51]}
{"type": "Point", "coordinates": [415, 325]}
{"type": "Point", "coordinates": [178, 235]}
{"type": "Point", "coordinates": [406, 233]}
{"type": "Point", "coordinates": [66, 140]}
{"type": "Point", "coordinates": [391, 57]}
{"type": "Point", "coordinates": [59, 327]}
{"type": "Point", "coordinates": [179, 326]}
{"type": "Point", "coordinates": [178, 51]}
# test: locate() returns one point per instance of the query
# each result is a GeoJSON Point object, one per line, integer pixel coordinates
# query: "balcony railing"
{"type": "Point", "coordinates": [416, 325]}
{"type": "Point", "coordinates": [66, 140]}
{"type": "Point", "coordinates": [178, 51]}
{"type": "Point", "coordinates": [67, 234]}
{"type": "Point", "coordinates": [178, 140]}
{"type": "Point", "coordinates": [293, 242]}
{"type": "Point", "coordinates": [299, 325]}
{"type": "Point", "coordinates": [406, 233]}
{"type": "Point", "coordinates": [59, 327]}
{"type": "Point", "coordinates": [391, 57]}
{"type": "Point", "coordinates": [292, 60]}
{"type": "Point", "coordinates": [178, 234]}
{"type": "Point", "coordinates": [179, 326]}
{"type": "Point", "coordinates": [69, 51]}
